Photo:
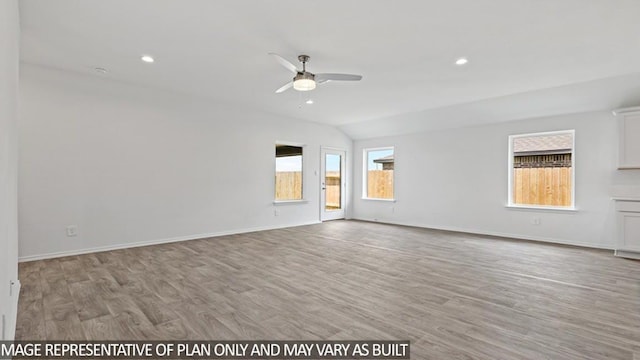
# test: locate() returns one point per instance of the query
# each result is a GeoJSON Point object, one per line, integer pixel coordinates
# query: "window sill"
{"type": "Point", "coordinates": [374, 199]}
{"type": "Point", "coordinates": [290, 202]}
{"type": "Point", "coordinates": [626, 198]}
{"type": "Point", "coordinates": [570, 209]}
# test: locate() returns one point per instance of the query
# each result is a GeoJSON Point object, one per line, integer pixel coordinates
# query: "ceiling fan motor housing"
{"type": "Point", "coordinates": [304, 76]}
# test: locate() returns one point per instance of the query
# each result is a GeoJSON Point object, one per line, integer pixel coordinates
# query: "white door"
{"type": "Point", "coordinates": [332, 184]}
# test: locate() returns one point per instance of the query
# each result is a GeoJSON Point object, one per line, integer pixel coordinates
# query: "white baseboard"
{"type": "Point", "coordinates": [629, 254]}
{"type": "Point", "coordinates": [494, 233]}
{"type": "Point", "coordinates": [9, 327]}
{"type": "Point", "coordinates": [263, 228]}
{"type": "Point", "coordinates": [155, 242]}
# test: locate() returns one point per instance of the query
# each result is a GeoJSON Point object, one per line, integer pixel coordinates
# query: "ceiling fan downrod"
{"type": "Point", "coordinates": [303, 59]}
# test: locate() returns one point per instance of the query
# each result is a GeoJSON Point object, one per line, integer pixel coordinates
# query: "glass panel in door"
{"type": "Point", "coordinates": [333, 181]}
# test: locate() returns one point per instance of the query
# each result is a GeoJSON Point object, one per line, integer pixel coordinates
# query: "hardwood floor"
{"type": "Point", "coordinates": [455, 296]}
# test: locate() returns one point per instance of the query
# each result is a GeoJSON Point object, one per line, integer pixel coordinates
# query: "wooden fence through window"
{"type": "Point", "coordinates": [380, 184]}
{"type": "Point", "coordinates": [289, 185]}
{"type": "Point", "coordinates": [332, 185]}
{"type": "Point", "coordinates": [549, 186]}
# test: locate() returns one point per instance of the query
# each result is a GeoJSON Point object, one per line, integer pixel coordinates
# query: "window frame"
{"type": "Point", "coordinates": [510, 200]}
{"type": "Point", "coordinates": [302, 169]}
{"type": "Point", "coordinates": [365, 173]}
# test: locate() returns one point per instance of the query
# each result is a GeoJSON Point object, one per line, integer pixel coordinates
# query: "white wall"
{"type": "Point", "coordinates": [457, 179]}
{"type": "Point", "coordinates": [9, 45]}
{"type": "Point", "coordinates": [130, 164]}
{"type": "Point", "coordinates": [590, 96]}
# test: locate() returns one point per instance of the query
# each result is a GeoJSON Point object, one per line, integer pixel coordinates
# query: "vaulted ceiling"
{"type": "Point", "coordinates": [404, 49]}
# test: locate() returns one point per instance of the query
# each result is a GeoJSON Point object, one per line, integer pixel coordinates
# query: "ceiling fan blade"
{"type": "Point", "coordinates": [284, 62]}
{"type": "Point", "coordinates": [284, 87]}
{"type": "Point", "coordinates": [321, 78]}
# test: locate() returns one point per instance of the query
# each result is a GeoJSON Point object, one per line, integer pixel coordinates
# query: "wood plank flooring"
{"type": "Point", "coordinates": [455, 296]}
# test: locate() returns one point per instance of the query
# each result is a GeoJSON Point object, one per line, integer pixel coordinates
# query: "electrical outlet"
{"type": "Point", "coordinates": [72, 230]}
{"type": "Point", "coordinates": [276, 212]}
{"type": "Point", "coordinates": [535, 221]}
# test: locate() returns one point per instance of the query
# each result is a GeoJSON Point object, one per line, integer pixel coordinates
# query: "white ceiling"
{"type": "Point", "coordinates": [404, 49]}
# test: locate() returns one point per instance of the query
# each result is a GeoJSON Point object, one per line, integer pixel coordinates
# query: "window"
{"type": "Point", "coordinates": [378, 173]}
{"type": "Point", "coordinates": [288, 172]}
{"type": "Point", "coordinates": [541, 170]}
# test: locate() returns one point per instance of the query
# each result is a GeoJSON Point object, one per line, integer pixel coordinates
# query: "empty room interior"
{"type": "Point", "coordinates": [180, 170]}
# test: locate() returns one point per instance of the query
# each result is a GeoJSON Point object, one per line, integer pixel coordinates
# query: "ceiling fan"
{"type": "Point", "coordinates": [304, 80]}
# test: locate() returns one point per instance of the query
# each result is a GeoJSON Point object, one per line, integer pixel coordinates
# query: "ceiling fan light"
{"type": "Point", "coordinates": [304, 84]}
{"type": "Point", "coordinates": [304, 81]}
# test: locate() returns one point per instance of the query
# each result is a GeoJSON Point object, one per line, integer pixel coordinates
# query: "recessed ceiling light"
{"type": "Point", "coordinates": [462, 61]}
{"type": "Point", "coordinates": [309, 101]}
{"type": "Point", "coordinates": [147, 59]}
{"type": "Point", "coordinates": [101, 71]}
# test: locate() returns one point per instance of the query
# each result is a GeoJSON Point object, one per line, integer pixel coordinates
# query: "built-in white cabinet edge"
{"type": "Point", "coordinates": [628, 137]}
{"type": "Point", "coordinates": [628, 217]}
